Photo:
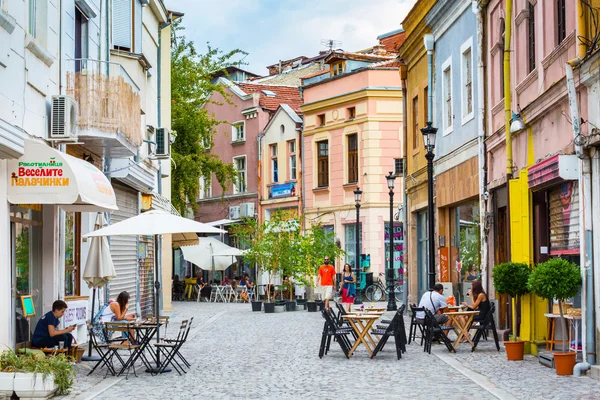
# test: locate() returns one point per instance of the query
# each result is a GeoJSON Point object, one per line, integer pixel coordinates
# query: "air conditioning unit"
{"type": "Point", "coordinates": [63, 123]}
{"type": "Point", "coordinates": [163, 143]}
{"type": "Point", "coordinates": [247, 210]}
{"type": "Point", "coordinates": [234, 212]}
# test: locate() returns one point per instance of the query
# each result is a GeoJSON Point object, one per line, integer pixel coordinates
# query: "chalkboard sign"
{"type": "Point", "coordinates": [28, 307]}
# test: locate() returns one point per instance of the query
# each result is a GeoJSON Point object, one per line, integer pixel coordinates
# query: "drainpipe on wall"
{"type": "Point", "coordinates": [507, 94]}
{"type": "Point", "coordinates": [258, 205]}
{"type": "Point", "coordinates": [585, 196]}
{"type": "Point", "coordinates": [405, 195]}
{"type": "Point", "coordinates": [483, 196]}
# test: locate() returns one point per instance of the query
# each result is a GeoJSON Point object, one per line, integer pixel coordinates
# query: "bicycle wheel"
{"type": "Point", "coordinates": [375, 293]}
{"type": "Point", "coordinates": [369, 292]}
{"type": "Point", "coordinates": [398, 293]}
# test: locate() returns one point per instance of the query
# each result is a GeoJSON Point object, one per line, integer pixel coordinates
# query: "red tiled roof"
{"type": "Point", "coordinates": [284, 95]}
{"type": "Point", "coordinates": [323, 72]}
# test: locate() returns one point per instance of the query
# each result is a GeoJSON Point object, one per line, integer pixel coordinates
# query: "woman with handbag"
{"type": "Point", "coordinates": [348, 286]}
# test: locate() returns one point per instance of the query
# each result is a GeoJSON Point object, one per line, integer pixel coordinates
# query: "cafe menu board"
{"type": "Point", "coordinates": [28, 306]}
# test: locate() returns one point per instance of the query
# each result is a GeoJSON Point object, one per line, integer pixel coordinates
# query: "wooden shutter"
{"type": "Point", "coordinates": [353, 158]}
{"type": "Point", "coordinates": [121, 24]}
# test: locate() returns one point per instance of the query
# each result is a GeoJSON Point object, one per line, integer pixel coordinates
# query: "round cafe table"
{"type": "Point", "coordinates": [461, 328]}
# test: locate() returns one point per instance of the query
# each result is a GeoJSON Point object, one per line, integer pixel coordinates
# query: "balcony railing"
{"type": "Point", "coordinates": [108, 98]}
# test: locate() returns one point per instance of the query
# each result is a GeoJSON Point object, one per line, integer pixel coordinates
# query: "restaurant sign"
{"type": "Point", "coordinates": [39, 173]}
{"type": "Point", "coordinates": [554, 170]}
{"type": "Point", "coordinates": [76, 313]}
{"type": "Point", "coordinates": [282, 190]}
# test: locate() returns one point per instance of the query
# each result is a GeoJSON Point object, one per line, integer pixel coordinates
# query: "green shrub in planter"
{"type": "Point", "coordinates": [512, 278]}
{"type": "Point", "coordinates": [556, 279]}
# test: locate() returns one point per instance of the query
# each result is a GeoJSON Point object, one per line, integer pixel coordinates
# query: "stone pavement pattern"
{"type": "Point", "coordinates": [236, 353]}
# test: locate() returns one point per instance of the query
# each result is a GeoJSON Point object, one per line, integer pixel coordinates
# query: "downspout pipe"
{"type": "Point", "coordinates": [259, 170]}
{"type": "Point", "coordinates": [483, 196]}
{"type": "Point", "coordinates": [507, 94]}
{"type": "Point", "coordinates": [405, 196]}
{"type": "Point", "coordinates": [429, 41]}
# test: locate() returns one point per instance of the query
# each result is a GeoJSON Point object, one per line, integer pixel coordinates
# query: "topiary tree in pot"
{"type": "Point", "coordinates": [557, 279]}
{"type": "Point", "coordinates": [512, 278]}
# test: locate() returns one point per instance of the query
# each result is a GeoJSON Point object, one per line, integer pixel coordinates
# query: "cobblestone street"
{"type": "Point", "coordinates": [239, 354]}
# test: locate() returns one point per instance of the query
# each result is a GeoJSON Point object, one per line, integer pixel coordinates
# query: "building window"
{"type": "Point", "coordinates": [426, 105]}
{"type": "Point", "coordinates": [205, 191]}
{"type": "Point", "coordinates": [321, 120]}
{"type": "Point", "coordinates": [81, 40]}
{"type": "Point", "coordinates": [398, 166]}
{"type": "Point", "coordinates": [353, 158]}
{"type": "Point", "coordinates": [292, 156]}
{"type": "Point", "coordinates": [350, 242]}
{"type": "Point", "coordinates": [467, 80]}
{"type": "Point", "coordinates": [72, 253]}
{"type": "Point", "coordinates": [238, 132]}
{"type": "Point", "coordinates": [240, 165]}
{"type": "Point", "coordinates": [32, 17]}
{"type": "Point", "coordinates": [323, 163]}
{"type": "Point", "coordinates": [531, 34]}
{"type": "Point", "coordinates": [415, 120]}
{"type": "Point", "coordinates": [447, 95]}
{"type": "Point", "coordinates": [561, 20]}
{"type": "Point", "coordinates": [351, 112]}
{"type": "Point", "coordinates": [501, 58]}
{"type": "Point", "coordinates": [274, 164]}
{"type": "Point", "coordinates": [337, 69]}
{"type": "Point", "coordinates": [282, 129]}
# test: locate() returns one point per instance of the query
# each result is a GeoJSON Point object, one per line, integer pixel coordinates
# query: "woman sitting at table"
{"type": "Point", "coordinates": [481, 302]}
{"type": "Point", "coordinates": [226, 281]}
{"type": "Point", "coordinates": [119, 310]}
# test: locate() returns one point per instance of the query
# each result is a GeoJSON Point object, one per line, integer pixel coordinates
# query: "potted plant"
{"type": "Point", "coordinates": [36, 375]}
{"type": "Point", "coordinates": [558, 279]}
{"type": "Point", "coordinates": [512, 278]}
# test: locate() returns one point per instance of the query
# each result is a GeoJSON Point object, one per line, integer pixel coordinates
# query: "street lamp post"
{"type": "Point", "coordinates": [391, 306]}
{"type": "Point", "coordinates": [429, 133]}
{"type": "Point", "coordinates": [357, 198]}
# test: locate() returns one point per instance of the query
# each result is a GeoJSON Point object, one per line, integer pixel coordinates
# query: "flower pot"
{"type": "Point", "coordinates": [290, 306]}
{"type": "Point", "coordinates": [256, 305]}
{"type": "Point", "coordinates": [312, 306]}
{"type": "Point", "coordinates": [514, 350]}
{"type": "Point", "coordinates": [280, 306]}
{"type": "Point", "coordinates": [7, 384]}
{"type": "Point", "coordinates": [564, 362]}
{"type": "Point", "coordinates": [34, 386]}
{"type": "Point", "coordinates": [269, 307]}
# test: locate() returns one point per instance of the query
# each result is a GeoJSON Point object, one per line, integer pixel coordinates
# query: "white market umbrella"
{"type": "Point", "coordinates": [157, 222]}
{"type": "Point", "coordinates": [210, 254]}
{"type": "Point", "coordinates": [99, 269]}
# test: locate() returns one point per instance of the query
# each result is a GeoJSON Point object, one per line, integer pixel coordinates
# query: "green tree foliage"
{"type": "Point", "coordinates": [194, 126]}
{"type": "Point", "coordinates": [557, 279]}
{"type": "Point", "coordinates": [512, 278]}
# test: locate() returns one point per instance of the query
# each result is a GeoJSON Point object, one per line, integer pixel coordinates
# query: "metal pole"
{"type": "Point", "coordinates": [391, 306]}
{"type": "Point", "coordinates": [431, 242]}
{"type": "Point", "coordinates": [358, 297]}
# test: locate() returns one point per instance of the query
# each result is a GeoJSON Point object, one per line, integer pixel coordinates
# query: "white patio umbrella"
{"type": "Point", "coordinates": [99, 269]}
{"type": "Point", "coordinates": [157, 222]}
{"type": "Point", "coordinates": [210, 254]}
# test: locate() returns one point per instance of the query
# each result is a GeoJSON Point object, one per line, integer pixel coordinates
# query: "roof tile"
{"type": "Point", "coordinates": [289, 95]}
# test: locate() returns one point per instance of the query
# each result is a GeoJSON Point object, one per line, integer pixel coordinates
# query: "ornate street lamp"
{"type": "Point", "coordinates": [391, 306]}
{"type": "Point", "coordinates": [429, 133]}
{"type": "Point", "coordinates": [357, 198]}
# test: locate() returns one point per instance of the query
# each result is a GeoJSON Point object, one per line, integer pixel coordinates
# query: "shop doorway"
{"type": "Point", "coordinates": [422, 253]}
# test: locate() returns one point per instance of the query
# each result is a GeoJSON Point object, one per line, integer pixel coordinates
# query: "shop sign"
{"type": "Point", "coordinates": [553, 170]}
{"type": "Point", "coordinates": [444, 265]}
{"type": "Point", "coordinates": [282, 190]}
{"type": "Point", "coordinates": [42, 173]}
{"type": "Point", "coordinates": [76, 313]}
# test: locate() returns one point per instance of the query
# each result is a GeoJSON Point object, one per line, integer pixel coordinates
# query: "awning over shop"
{"type": "Point", "coordinates": [44, 175]}
{"type": "Point", "coordinates": [553, 170]}
{"type": "Point", "coordinates": [223, 222]}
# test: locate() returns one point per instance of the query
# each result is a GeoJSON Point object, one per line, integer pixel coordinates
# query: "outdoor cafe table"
{"type": "Point", "coordinates": [375, 309]}
{"type": "Point", "coordinates": [461, 328]}
{"type": "Point", "coordinates": [145, 331]}
{"type": "Point", "coordinates": [361, 324]}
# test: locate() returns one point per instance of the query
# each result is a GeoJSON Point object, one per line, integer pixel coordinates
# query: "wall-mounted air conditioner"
{"type": "Point", "coordinates": [247, 210]}
{"type": "Point", "coordinates": [163, 143]}
{"type": "Point", "coordinates": [63, 121]}
{"type": "Point", "coordinates": [234, 212]}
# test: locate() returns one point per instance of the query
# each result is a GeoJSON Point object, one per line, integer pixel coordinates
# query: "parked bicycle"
{"type": "Point", "coordinates": [378, 290]}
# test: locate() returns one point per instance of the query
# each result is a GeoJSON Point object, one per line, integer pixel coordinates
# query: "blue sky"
{"type": "Point", "coordinates": [271, 30]}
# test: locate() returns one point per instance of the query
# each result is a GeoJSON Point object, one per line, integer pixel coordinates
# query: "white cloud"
{"type": "Point", "coordinates": [271, 30]}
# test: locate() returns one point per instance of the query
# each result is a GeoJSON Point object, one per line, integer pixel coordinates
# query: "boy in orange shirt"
{"type": "Point", "coordinates": [326, 280]}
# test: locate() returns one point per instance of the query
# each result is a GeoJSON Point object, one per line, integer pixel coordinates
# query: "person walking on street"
{"type": "Point", "coordinates": [348, 287]}
{"type": "Point", "coordinates": [326, 280]}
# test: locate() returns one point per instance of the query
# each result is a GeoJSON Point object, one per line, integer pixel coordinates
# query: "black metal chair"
{"type": "Point", "coordinates": [340, 335]}
{"type": "Point", "coordinates": [396, 329]}
{"type": "Point", "coordinates": [415, 325]}
{"type": "Point", "coordinates": [170, 349]}
{"type": "Point", "coordinates": [100, 344]}
{"type": "Point", "coordinates": [483, 326]}
{"type": "Point", "coordinates": [434, 330]}
{"type": "Point", "coordinates": [122, 343]}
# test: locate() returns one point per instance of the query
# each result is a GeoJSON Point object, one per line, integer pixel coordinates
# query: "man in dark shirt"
{"type": "Point", "coordinates": [46, 332]}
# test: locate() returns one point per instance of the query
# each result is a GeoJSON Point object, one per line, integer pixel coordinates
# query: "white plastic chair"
{"type": "Point", "coordinates": [214, 293]}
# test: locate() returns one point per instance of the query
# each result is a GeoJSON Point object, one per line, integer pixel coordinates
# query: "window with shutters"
{"type": "Point", "coordinates": [127, 25]}
{"type": "Point", "coordinates": [531, 41]}
{"type": "Point", "coordinates": [274, 164]}
{"type": "Point", "coordinates": [353, 158]}
{"type": "Point", "coordinates": [447, 114]}
{"type": "Point", "coordinates": [561, 20]}
{"type": "Point", "coordinates": [501, 58]}
{"type": "Point", "coordinates": [415, 122]}
{"type": "Point", "coordinates": [323, 163]}
{"type": "Point", "coordinates": [467, 81]}
{"type": "Point", "coordinates": [205, 191]}
{"type": "Point", "coordinates": [240, 165]}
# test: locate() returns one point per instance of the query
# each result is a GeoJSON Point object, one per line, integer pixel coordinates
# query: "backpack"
{"type": "Point", "coordinates": [97, 327]}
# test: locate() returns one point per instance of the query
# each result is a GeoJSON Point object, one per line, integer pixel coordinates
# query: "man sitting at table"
{"type": "Point", "coordinates": [434, 301]}
{"type": "Point", "coordinates": [46, 332]}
